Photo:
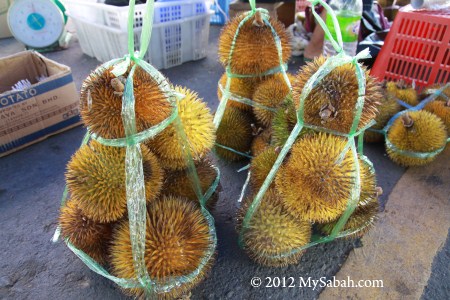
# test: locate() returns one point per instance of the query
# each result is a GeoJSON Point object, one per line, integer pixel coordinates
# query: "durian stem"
{"type": "Point", "coordinates": [258, 19]}
{"type": "Point", "coordinates": [407, 121]}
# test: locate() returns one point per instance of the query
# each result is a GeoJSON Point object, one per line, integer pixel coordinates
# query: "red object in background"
{"type": "Point", "coordinates": [417, 48]}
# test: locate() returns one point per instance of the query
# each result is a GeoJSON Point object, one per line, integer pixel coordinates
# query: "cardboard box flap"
{"type": "Point", "coordinates": [27, 65]}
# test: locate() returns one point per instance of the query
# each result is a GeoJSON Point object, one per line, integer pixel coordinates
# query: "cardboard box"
{"type": "Point", "coordinates": [286, 13]}
{"type": "Point", "coordinates": [45, 108]}
{"type": "Point", "coordinates": [4, 28]}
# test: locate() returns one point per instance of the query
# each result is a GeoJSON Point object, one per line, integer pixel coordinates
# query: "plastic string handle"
{"type": "Point", "coordinates": [338, 46]}
{"type": "Point", "coordinates": [252, 5]}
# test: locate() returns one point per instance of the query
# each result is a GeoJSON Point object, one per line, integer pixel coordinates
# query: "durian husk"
{"type": "Point", "coordinates": [270, 93]}
{"type": "Point", "coordinates": [254, 51]}
{"type": "Point", "coordinates": [261, 141]}
{"type": "Point", "coordinates": [273, 231]}
{"type": "Point", "coordinates": [235, 131]}
{"type": "Point", "coordinates": [284, 122]}
{"type": "Point", "coordinates": [197, 122]}
{"type": "Point", "coordinates": [365, 213]}
{"type": "Point", "coordinates": [261, 166]}
{"type": "Point", "coordinates": [337, 91]}
{"type": "Point", "coordinates": [104, 115]}
{"type": "Point", "coordinates": [95, 178]}
{"type": "Point", "coordinates": [440, 109]}
{"type": "Point", "coordinates": [427, 134]}
{"type": "Point", "coordinates": [388, 108]}
{"type": "Point", "coordinates": [312, 185]}
{"type": "Point", "coordinates": [177, 238]}
{"type": "Point", "coordinates": [178, 183]}
{"type": "Point", "coordinates": [403, 92]}
{"type": "Point", "coordinates": [84, 233]}
{"type": "Point", "coordinates": [244, 87]}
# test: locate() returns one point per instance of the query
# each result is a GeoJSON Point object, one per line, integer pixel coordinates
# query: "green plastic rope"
{"type": "Point", "coordinates": [340, 59]}
{"type": "Point", "coordinates": [135, 191]}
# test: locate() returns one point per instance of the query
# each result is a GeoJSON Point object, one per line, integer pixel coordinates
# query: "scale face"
{"type": "Point", "coordinates": [36, 23]}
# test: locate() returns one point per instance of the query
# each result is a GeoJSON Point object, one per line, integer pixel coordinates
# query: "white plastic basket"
{"type": "Point", "coordinates": [117, 17]}
{"type": "Point", "coordinates": [87, 10]}
{"type": "Point", "coordinates": [171, 44]}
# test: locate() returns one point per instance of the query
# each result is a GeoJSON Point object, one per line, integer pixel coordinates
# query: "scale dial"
{"type": "Point", "coordinates": [36, 23]}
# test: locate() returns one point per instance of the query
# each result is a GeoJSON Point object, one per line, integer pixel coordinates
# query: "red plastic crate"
{"type": "Point", "coordinates": [417, 48]}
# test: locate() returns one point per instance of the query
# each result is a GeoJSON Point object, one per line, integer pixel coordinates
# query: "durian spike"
{"type": "Point", "coordinates": [261, 141]}
{"type": "Point", "coordinates": [331, 103]}
{"type": "Point", "coordinates": [101, 102]}
{"type": "Point", "coordinates": [426, 135]}
{"type": "Point", "coordinates": [365, 213]}
{"type": "Point", "coordinates": [273, 231]}
{"type": "Point", "coordinates": [322, 187]}
{"type": "Point", "coordinates": [95, 178]}
{"type": "Point", "coordinates": [197, 122]}
{"type": "Point", "coordinates": [255, 50]}
{"type": "Point", "coordinates": [87, 235]}
{"type": "Point", "coordinates": [177, 238]}
{"type": "Point", "coordinates": [235, 132]}
{"type": "Point", "coordinates": [179, 184]}
{"type": "Point", "coordinates": [261, 166]}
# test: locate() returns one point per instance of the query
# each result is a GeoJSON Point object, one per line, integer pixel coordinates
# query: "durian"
{"type": "Point", "coordinates": [261, 166]}
{"type": "Point", "coordinates": [273, 231]}
{"type": "Point", "coordinates": [255, 49]}
{"type": "Point", "coordinates": [440, 109]}
{"type": "Point", "coordinates": [96, 179]}
{"type": "Point", "coordinates": [270, 93]}
{"type": "Point", "coordinates": [313, 184]}
{"type": "Point", "coordinates": [244, 87]}
{"type": "Point", "coordinates": [177, 238]}
{"type": "Point", "coordinates": [403, 92]}
{"type": "Point", "coordinates": [284, 122]}
{"type": "Point", "coordinates": [331, 104]}
{"type": "Point", "coordinates": [197, 122]}
{"type": "Point", "coordinates": [365, 213]}
{"type": "Point", "coordinates": [261, 141]}
{"type": "Point", "coordinates": [416, 131]}
{"type": "Point", "coordinates": [388, 108]}
{"type": "Point", "coordinates": [234, 131]}
{"type": "Point", "coordinates": [178, 183]}
{"type": "Point", "coordinates": [87, 235]}
{"type": "Point", "coordinates": [103, 113]}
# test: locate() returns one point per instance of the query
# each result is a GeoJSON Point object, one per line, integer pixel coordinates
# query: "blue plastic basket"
{"type": "Point", "coordinates": [218, 17]}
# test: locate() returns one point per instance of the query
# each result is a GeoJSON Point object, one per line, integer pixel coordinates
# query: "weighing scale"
{"type": "Point", "coordinates": [39, 24]}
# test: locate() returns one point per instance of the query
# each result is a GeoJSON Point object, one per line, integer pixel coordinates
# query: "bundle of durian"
{"type": "Point", "coordinates": [416, 135]}
{"type": "Point", "coordinates": [316, 180]}
{"type": "Point", "coordinates": [179, 236]}
{"type": "Point", "coordinates": [440, 105]}
{"type": "Point", "coordinates": [248, 51]}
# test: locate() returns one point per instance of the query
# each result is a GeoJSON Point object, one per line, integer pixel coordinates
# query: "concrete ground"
{"type": "Point", "coordinates": [32, 181]}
